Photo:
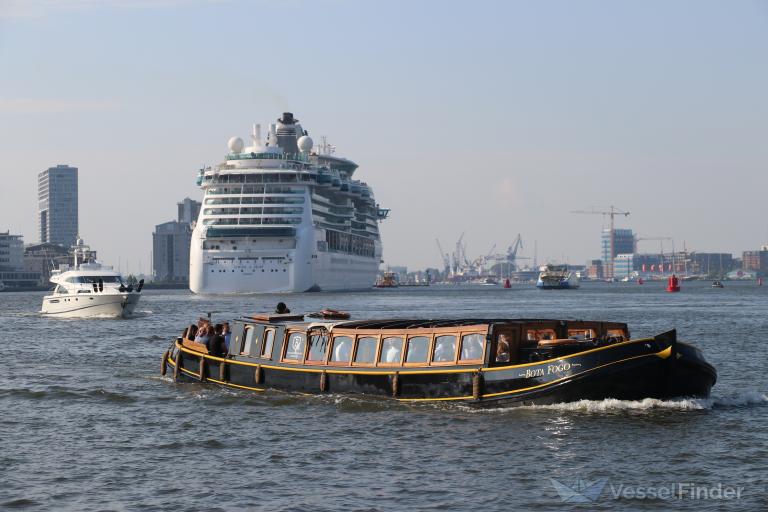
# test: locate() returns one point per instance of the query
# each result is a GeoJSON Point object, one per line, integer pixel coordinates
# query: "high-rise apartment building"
{"type": "Point", "coordinates": [189, 210]}
{"type": "Point", "coordinates": [170, 244]}
{"type": "Point", "coordinates": [57, 205]}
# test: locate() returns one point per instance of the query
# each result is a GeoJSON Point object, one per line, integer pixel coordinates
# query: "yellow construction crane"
{"type": "Point", "coordinates": [611, 213]}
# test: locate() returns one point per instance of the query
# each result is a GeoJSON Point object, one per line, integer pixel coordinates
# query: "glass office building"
{"type": "Point", "coordinates": [623, 243]}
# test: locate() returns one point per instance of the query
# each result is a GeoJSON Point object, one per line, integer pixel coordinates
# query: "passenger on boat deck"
{"type": "Point", "coordinates": [191, 332]}
{"type": "Point", "coordinates": [282, 309]}
{"type": "Point", "coordinates": [216, 341]}
{"type": "Point", "coordinates": [204, 334]}
{"type": "Point", "coordinates": [227, 335]}
{"type": "Point", "coordinates": [502, 349]}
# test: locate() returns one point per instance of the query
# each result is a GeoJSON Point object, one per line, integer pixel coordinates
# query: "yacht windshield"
{"type": "Point", "coordinates": [94, 279]}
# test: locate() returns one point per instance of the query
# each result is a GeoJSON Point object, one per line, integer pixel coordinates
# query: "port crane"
{"type": "Point", "coordinates": [445, 257]}
{"type": "Point", "coordinates": [512, 249]}
{"type": "Point", "coordinates": [610, 213]}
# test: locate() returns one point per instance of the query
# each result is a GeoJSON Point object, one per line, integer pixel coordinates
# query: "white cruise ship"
{"type": "Point", "coordinates": [282, 216]}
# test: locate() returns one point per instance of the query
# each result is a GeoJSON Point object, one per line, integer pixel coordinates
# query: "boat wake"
{"type": "Point", "coordinates": [737, 399]}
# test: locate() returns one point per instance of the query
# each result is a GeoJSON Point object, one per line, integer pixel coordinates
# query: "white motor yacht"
{"type": "Point", "coordinates": [89, 289]}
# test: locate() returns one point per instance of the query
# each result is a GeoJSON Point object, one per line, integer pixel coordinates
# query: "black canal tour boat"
{"type": "Point", "coordinates": [482, 362]}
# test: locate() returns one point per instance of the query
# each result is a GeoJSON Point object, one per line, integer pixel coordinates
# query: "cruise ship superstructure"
{"type": "Point", "coordinates": [282, 216]}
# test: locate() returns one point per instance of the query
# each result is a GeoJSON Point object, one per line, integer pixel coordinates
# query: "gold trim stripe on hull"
{"type": "Point", "coordinates": [663, 354]}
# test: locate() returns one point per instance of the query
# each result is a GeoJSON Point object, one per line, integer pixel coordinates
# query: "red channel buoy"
{"type": "Point", "coordinates": [673, 284]}
{"type": "Point", "coordinates": [507, 284]}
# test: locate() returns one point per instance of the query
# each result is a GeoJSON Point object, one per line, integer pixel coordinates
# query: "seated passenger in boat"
{"type": "Point", "coordinates": [227, 335]}
{"type": "Point", "coordinates": [282, 309]}
{"type": "Point", "coordinates": [393, 350]}
{"type": "Point", "coordinates": [215, 341]}
{"type": "Point", "coordinates": [443, 350]}
{"type": "Point", "coordinates": [191, 332]}
{"type": "Point", "coordinates": [204, 334]}
{"type": "Point", "coordinates": [502, 349]}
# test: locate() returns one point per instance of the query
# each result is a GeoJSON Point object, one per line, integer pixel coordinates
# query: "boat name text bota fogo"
{"type": "Point", "coordinates": [483, 362]}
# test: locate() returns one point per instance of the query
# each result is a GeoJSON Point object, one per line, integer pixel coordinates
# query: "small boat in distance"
{"type": "Point", "coordinates": [387, 280]}
{"type": "Point", "coordinates": [717, 284]}
{"type": "Point", "coordinates": [476, 361]}
{"type": "Point", "coordinates": [89, 289]}
{"type": "Point", "coordinates": [557, 277]}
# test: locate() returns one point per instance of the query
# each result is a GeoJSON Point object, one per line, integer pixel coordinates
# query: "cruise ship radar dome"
{"type": "Point", "coordinates": [305, 143]}
{"type": "Point", "coordinates": [235, 144]}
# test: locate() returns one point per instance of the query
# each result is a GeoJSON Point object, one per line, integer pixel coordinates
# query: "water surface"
{"type": "Point", "coordinates": [87, 422]}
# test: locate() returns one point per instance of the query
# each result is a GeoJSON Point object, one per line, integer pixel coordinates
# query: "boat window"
{"type": "Point", "coordinates": [342, 349]}
{"type": "Point", "coordinates": [269, 341]}
{"type": "Point", "coordinates": [295, 348]}
{"type": "Point", "coordinates": [318, 347]}
{"type": "Point", "coordinates": [541, 334]}
{"type": "Point", "coordinates": [445, 349]}
{"type": "Point", "coordinates": [366, 350]}
{"type": "Point", "coordinates": [417, 349]}
{"type": "Point", "coordinates": [83, 291]}
{"type": "Point", "coordinates": [391, 350]}
{"type": "Point", "coordinates": [250, 339]}
{"type": "Point", "coordinates": [617, 334]}
{"type": "Point", "coordinates": [472, 347]}
{"type": "Point", "coordinates": [580, 334]}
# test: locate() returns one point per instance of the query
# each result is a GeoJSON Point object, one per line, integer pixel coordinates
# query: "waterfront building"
{"type": "Point", "coordinates": [756, 261]}
{"type": "Point", "coordinates": [188, 210]}
{"type": "Point", "coordinates": [44, 258]}
{"type": "Point", "coordinates": [717, 263]}
{"type": "Point", "coordinates": [623, 243]}
{"type": "Point", "coordinates": [595, 269]}
{"type": "Point", "coordinates": [401, 271]}
{"type": "Point", "coordinates": [12, 272]}
{"type": "Point", "coordinates": [57, 205]}
{"type": "Point", "coordinates": [623, 266]}
{"type": "Point", "coordinates": [11, 251]}
{"type": "Point", "coordinates": [171, 244]}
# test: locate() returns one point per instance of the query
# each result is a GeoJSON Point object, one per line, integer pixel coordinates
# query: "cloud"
{"type": "Point", "coordinates": [47, 106]}
{"type": "Point", "coordinates": [41, 8]}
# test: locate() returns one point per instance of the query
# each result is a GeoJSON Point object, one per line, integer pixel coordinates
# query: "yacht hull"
{"type": "Point", "coordinates": [120, 305]}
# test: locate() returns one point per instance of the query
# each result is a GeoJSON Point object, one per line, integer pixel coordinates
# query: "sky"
{"type": "Point", "coordinates": [485, 118]}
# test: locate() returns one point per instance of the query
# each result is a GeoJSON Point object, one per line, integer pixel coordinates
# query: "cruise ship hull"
{"type": "Point", "coordinates": [291, 272]}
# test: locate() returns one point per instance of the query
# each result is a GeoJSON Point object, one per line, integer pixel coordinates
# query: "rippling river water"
{"type": "Point", "coordinates": [87, 422]}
